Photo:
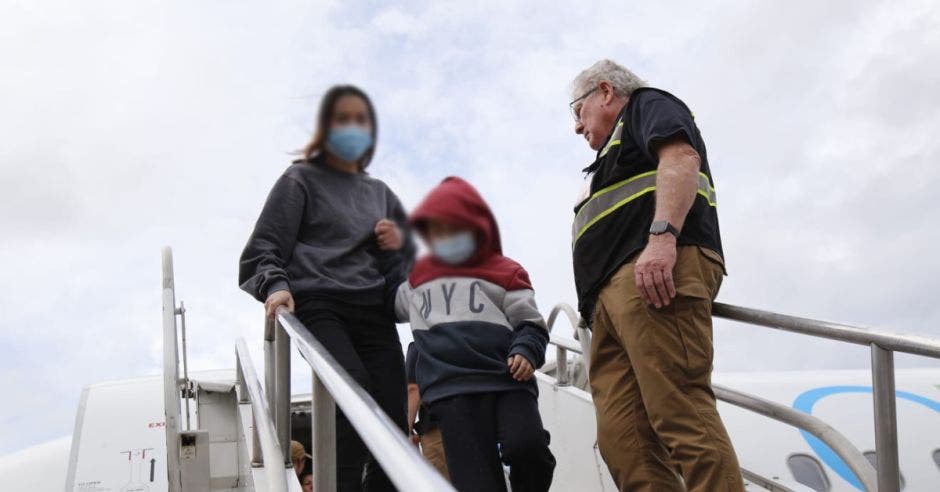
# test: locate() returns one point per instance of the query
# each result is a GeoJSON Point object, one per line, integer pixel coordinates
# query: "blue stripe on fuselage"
{"type": "Point", "coordinates": [807, 400]}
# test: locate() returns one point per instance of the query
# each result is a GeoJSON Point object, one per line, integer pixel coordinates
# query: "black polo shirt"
{"type": "Point", "coordinates": [614, 221]}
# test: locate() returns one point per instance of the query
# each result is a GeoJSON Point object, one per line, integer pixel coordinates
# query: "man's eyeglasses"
{"type": "Point", "coordinates": [577, 103]}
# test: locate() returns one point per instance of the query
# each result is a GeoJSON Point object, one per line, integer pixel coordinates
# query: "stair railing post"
{"type": "Point", "coordinates": [561, 365]}
{"type": "Point", "coordinates": [886, 425]}
{"type": "Point", "coordinates": [257, 457]}
{"type": "Point", "coordinates": [270, 377]}
{"type": "Point", "coordinates": [282, 390]}
{"type": "Point", "coordinates": [323, 437]}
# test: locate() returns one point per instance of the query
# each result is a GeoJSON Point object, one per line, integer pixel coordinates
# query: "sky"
{"type": "Point", "coordinates": [127, 126]}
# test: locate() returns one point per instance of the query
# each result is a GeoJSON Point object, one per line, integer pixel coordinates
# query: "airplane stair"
{"type": "Point", "coordinates": [231, 431]}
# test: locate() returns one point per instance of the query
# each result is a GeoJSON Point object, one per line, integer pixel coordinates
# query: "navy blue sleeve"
{"type": "Point", "coordinates": [656, 117]}
{"type": "Point", "coordinates": [529, 340]}
{"type": "Point", "coordinates": [530, 336]}
{"type": "Point", "coordinates": [263, 263]}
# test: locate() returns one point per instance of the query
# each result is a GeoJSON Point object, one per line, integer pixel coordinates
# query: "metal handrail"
{"type": "Point", "coordinates": [563, 345]}
{"type": "Point", "coordinates": [852, 457]}
{"type": "Point", "coordinates": [839, 443]}
{"type": "Point", "coordinates": [263, 436]}
{"type": "Point", "coordinates": [763, 482]}
{"type": "Point", "coordinates": [897, 342]}
{"type": "Point", "coordinates": [882, 345]}
{"type": "Point", "coordinates": [400, 460]}
{"type": "Point", "coordinates": [171, 391]}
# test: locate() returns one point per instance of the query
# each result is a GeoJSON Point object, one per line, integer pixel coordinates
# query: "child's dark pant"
{"type": "Point", "coordinates": [482, 431]}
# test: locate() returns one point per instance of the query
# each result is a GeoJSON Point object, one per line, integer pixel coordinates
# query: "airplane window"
{"type": "Point", "coordinates": [936, 457]}
{"type": "Point", "coordinates": [808, 471]}
{"type": "Point", "coordinates": [873, 459]}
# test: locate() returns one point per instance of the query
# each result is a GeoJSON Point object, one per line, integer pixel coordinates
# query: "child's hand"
{"type": "Point", "coordinates": [388, 235]}
{"type": "Point", "coordinates": [520, 368]}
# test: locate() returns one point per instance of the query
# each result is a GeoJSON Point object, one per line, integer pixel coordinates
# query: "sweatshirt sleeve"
{"type": "Point", "coordinates": [403, 303]}
{"type": "Point", "coordinates": [262, 267]}
{"type": "Point", "coordinates": [530, 336]}
{"type": "Point", "coordinates": [396, 265]}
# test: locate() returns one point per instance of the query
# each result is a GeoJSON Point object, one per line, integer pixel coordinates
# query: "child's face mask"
{"type": "Point", "coordinates": [454, 249]}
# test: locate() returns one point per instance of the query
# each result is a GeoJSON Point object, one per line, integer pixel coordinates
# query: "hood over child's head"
{"type": "Point", "coordinates": [456, 223]}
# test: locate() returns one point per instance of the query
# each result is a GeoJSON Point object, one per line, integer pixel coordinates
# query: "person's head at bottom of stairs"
{"type": "Point", "coordinates": [298, 456]}
{"type": "Point", "coordinates": [306, 482]}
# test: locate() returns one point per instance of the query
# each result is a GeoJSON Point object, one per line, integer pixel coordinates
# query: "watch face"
{"type": "Point", "coordinates": [658, 227]}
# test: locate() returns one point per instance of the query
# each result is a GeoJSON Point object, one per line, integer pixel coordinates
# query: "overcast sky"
{"type": "Point", "coordinates": [127, 126]}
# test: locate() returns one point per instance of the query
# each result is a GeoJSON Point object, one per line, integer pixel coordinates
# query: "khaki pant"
{"type": "Point", "coordinates": [651, 381]}
{"type": "Point", "coordinates": [433, 449]}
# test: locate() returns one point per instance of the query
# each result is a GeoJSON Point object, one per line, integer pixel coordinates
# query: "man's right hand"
{"type": "Point", "coordinates": [278, 298]}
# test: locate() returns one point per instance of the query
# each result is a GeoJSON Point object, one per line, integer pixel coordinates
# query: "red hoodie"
{"type": "Point", "coordinates": [468, 319]}
{"type": "Point", "coordinates": [457, 202]}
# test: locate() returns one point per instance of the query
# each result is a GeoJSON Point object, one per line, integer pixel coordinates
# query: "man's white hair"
{"type": "Point", "coordinates": [623, 80]}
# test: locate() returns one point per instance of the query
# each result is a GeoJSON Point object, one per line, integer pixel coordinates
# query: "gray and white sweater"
{"type": "Point", "coordinates": [465, 328]}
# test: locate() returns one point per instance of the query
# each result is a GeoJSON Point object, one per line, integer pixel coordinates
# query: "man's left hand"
{"type": "Point", "coordinates": [654, 268]}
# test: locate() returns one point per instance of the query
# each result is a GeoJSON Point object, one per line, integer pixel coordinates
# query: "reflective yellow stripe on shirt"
{"type": "Point", "coordinates": [614, 139]}
{"type": "Point", "coordinates": [608, 200]}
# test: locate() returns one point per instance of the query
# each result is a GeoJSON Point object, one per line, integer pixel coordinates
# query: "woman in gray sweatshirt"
{"type": "Point", "coordinates": [330, 246]}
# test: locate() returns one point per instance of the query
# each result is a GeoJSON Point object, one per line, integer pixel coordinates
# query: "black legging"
{"type": "Point", "coordinates": [363, 340]}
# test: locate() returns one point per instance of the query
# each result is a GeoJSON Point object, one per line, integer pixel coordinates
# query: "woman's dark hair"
{"type": "Point", "coordinates": [325, 115]}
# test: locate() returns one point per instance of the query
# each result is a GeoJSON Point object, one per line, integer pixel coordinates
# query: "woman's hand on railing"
{"type": "Point", "coordinates": [278, 298]}
{"type": "Point", "coordinates": [388, 235]}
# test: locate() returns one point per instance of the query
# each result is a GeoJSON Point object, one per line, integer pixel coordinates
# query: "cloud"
{"type": "Point", "coordinates": [128, 127]}
{"type": "Point", "coordinates": [393, 21]}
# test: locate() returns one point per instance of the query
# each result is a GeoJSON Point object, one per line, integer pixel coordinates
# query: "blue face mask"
{"type": "Point", "coordinates": [455, 249]}
{"type": "Point", "coordinates": [349, 142]}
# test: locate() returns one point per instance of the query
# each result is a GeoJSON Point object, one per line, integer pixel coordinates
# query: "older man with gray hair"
{"type": "Point", "coordinates": [648, 264]}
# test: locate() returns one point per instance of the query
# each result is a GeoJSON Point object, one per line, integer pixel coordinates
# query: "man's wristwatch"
{"type": "Point", "coordinates": [662, 227]}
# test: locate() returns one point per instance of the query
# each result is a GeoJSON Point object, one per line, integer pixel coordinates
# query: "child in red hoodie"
{"type": "Point", "coordinates": [479, 337]}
